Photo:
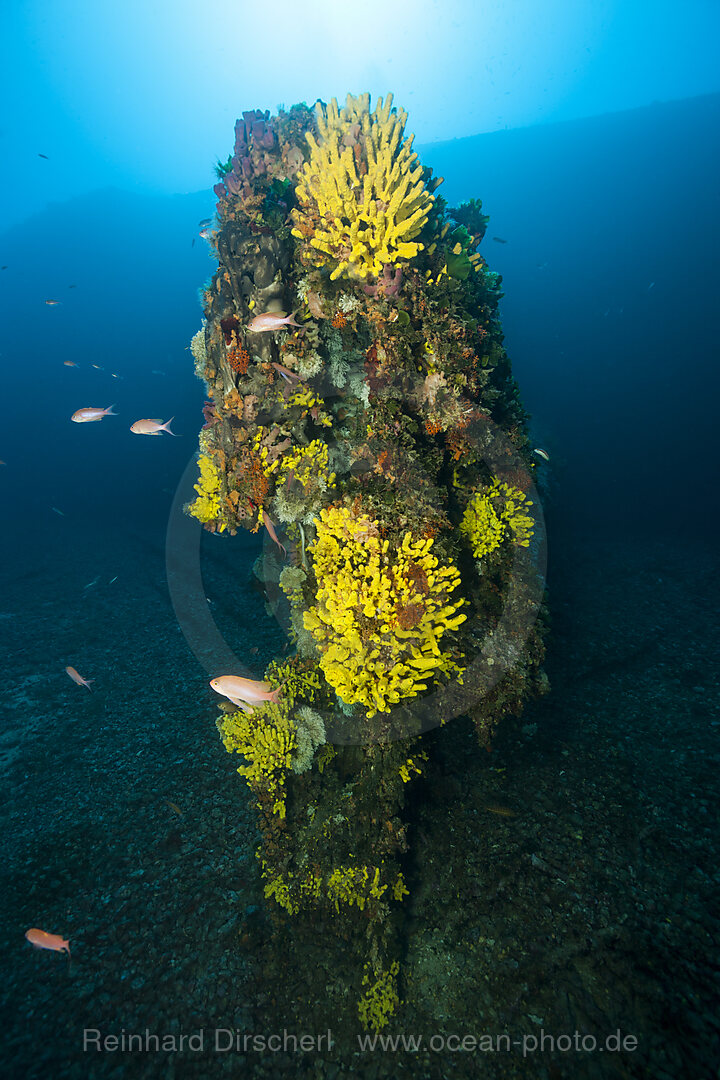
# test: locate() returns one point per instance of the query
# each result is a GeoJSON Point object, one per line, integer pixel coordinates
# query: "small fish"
{"type": "Point", "coordinates": [156, 372]}
{"type": "Point", "coordinates": [69, 363]}
{"type": "Point", "coordinates": [44, 156]}
{"type": "Point", "coordinates": [86, 416]}
{"type": "Point", "coordinates": [541, 453]}
{"type": "Point", "coordinates": [4, 267]}
{"type": "Point", "coordinates": [243, 691]}
{"type": "Point", "coordinates": [97, 367]}
{"type": "Point", "coordinates": [112, 579]}
{"type": "Point", "coordinates": [72, 286]}
{"type": "Point", "coordinates": [175, 808]}
{"type": "Point", "coordinates": [42, 940]}
{"type": "Point", "coordinates": [206, 234]}
{"type": "Point", "coordinates": [193, 242]}
{"type": "Point", "coordinates": [204, 223]}
{"type": "Point", "coordinates": [503, 811]}
{"type": "Point", "coordinates": [151, 427]}
{"type": "Point", "coordinates": [76, 678]}
{"type": "Point", "coordinates": [286, 373]}
{"type": "Point", "coordinates": [499, 240]}
{"type": "Point", "coordinates": [272, 320]}
{"type": "Point", "coordinates": [91, 583]}
{"type": "Point", "coordinates": [650, 286]}
{"type": "Point", "coordinates": [114, 376]}
{"type": "Point", "coordinates": [53, 303]}
{"type": "Point", "coordinates": [271, 531]}
{"type": "Point", "coordinates": [56, 511]}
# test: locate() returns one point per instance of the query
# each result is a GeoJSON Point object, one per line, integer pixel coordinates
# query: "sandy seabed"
{"type": "Point", "coordinates": [565, 882]}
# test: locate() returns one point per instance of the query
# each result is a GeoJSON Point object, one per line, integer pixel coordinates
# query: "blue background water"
{"type": "Point", "coordinates": [610, 274]}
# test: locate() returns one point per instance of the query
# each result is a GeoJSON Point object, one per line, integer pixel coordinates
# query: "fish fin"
{"type": "Point", "coordinates": [275, 695]}
{"type": "Point", "coordinates": [166, 426]}
{"type": "Point", "coordinates": [241, 704]}
{"type": "Point", "coordinates": [109, 411]}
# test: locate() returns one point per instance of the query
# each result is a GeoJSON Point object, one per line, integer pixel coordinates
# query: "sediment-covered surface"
{"type": "Point", "coordinates": [566, 881]}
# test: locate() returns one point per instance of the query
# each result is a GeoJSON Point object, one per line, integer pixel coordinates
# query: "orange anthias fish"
{"type": "Point", "coordinates": [151, 427]}
{"type": "Point", "coordinates": [42, 940]}
{"type": "Point", "coordinates": [244, 691]}
{"type": "Point", "coordinates": [86, 416]}
{"type": "Point", "coordinates": [272, 320]}
{"type": "Point", "coordinates": [78, 678]}
{"type": "Point", "coordinates": [53, 303]}
{"type": "Point", "coordinates": [69, 363]}
{"type": "Point", "coordinates": [286, 373]}
{"type": "Point", "coordinates": [271, 531]}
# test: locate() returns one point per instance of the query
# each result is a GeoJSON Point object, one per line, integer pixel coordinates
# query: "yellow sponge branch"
{"type": "Point", "coordinates": [379, 615]}
{"type": "Point", "coordinates": [362, 198]}
{"type": "Point", "coordinates": [494, 515]}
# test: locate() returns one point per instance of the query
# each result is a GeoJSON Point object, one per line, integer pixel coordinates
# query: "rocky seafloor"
{"type": "Point", "coordinates": [565, 881]}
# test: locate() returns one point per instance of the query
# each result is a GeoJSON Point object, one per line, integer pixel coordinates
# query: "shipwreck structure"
{"type": "Point", "coordinates": [362, 412]}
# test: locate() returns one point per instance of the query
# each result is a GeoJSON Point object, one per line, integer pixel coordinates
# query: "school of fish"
{"type": "Point", "coordinates": [244, 693]}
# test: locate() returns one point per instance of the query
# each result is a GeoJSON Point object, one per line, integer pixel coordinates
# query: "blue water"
{"type": "Point", "coordinates": [608, 237]}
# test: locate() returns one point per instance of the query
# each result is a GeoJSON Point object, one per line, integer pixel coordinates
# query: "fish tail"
{"type": "Point", "coordinates": [275, 695]}
{"type": "Point", "coordinates": [109, 411]}
{"type": "Point", "coordinates": [166, 426]}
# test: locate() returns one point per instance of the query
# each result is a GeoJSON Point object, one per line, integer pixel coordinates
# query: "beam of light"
{"type": "Point", "coordinates": [145, 95]}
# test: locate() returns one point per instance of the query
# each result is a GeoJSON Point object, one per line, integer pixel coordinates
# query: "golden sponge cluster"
{"type": "Point", "coordinates": [380, 613]}
{"type": "Point", "coordinates": [266, 738]}
{"type": "Point", "coordinates": [497, 514]}
{"type": "Point", "coordinates": [362, 198]}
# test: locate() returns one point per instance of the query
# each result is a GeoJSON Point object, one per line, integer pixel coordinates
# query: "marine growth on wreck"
{"type": "Point", "coordinates": [362, 412]}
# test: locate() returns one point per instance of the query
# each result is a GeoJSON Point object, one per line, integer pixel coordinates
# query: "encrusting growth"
{"type": "Point", "coordinates": [361, 417]}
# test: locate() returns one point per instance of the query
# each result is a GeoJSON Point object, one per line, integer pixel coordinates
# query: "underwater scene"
{"type": "Point", "coordinates": [359, 605]}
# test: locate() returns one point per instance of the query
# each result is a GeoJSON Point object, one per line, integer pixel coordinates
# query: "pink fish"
{"type": "Point", "coordinates": [53, 303]}
{"type": "Point", "coordinates": [86, 416]}
{"type": "Point", "coordinates": [42, 940]}
{"type": "Point", "coordinates": [151, 427]}
{"type": "Point", "coordinates": [244, 691]}
{"type": "Point", "coordinates": [271, 531]}
{"type": "Point", "coordinates": [78, 678]}
{"type": "Point", "coordinates": [286, 373]}
{"type": "Point", "coordinates": [272, 320]}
